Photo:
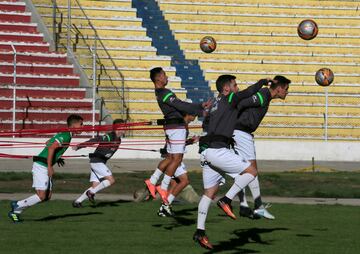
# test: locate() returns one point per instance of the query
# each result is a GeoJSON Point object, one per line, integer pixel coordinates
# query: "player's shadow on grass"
{"type": "Point", "coordinates": [110, 203]}
{"type": "Point", "coordinates": [244, 236]}
{"type": "Point", "coordinates": [179, 219]}
{"type": "Point", "coordinates": [56, 217]}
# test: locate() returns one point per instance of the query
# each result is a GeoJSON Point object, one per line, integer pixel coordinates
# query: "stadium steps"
{"type": "Point", "coordinates": [47, 90]}
{"type": "Point", "coordinates": [123, 35]}
{"type": "Point", "coordinates": [163, 39]}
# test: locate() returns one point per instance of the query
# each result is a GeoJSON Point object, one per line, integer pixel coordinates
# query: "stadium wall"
{"type": "Point", "coordinates": [266, 150]}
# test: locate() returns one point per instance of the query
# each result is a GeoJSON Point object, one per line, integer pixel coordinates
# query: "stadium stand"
{"type": "Point", "coordinates": [259, 38]}
{"type": "Point", "coordinates": [47, 89]}
{"type": "Point", "coordinates": [255, 39]}
{"type": "Point", "coordinates": [131, 49]}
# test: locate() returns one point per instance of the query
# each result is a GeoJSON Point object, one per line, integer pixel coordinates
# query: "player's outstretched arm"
{"type": "Point", "coordinates": [251, 90]}
{"type": "Point", "coordinates": [185, 107]}
{"type": "Point", "coordinates": [89, 142]}
{"type": "Point", "coordinates": [257, 100]}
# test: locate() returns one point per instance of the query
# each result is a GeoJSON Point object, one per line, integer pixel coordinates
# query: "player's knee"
{"type": "Point", "coordinates": [177, 158]}
{"type": "Point", "coordinates": [41, 195]}
{"type": "Point", "coordinates": [111, 180]}
{"type": "Point", "coordinates": [251, 170]}
{"type": "Point", "coordinates": [187, 182]}
{"type": "Point", "coordinates": [184, 181]}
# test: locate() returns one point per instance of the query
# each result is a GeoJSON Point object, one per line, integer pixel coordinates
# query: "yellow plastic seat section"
{"type": "Point", "coordinates": [126, 41]}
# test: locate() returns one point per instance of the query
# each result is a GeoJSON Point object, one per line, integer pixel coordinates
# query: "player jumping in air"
{"type": "Point", "coordinates": [43, 170]}
{"type": "Point", "coordinates": [247, 123]}
{"type": "Point", "coordinates": [100, 176]}
{"type": "Point", "coordinates": [173, 109]}
{"type": "Point", "coordinates": [216, 153]}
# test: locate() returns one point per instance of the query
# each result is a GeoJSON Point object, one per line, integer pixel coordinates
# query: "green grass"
{"type": "Point", "coordinates": [125, 227]}
{"type": "Point", "coordinates": [329, 185]}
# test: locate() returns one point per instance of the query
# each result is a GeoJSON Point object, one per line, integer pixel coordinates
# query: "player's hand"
{"type": "Point", "coordinates": [50, 171]}
{"type": "Point", "coordinates": [60, 162]}
{"type": "Point", "coordinates": [271, 81]}
{"type": "Point", "coordinates": [207, 104]}
{"type": "Point", "coordinates": [195, 139]}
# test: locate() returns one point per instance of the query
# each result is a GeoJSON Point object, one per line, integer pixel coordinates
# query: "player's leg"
{"type": "Point", "coordinates": [154, 178]}
{"type": "Point", "coordinates": [42, 185]}
{"type": "Point", "coordinates": [211, 180]}
{"type": "Point", "coordinates": [182, 180]}
{"type": "Point", "coordinates": [94, 180]}
{"type": "Point", "coordinates": [259, 208]}
{"type": "Point", "coordinates": [176, 149]}
{"type": "Point", "coordinates": [227, 161]}
{"type": "Point", "coordinates": [177, 184]}
{"type": "Point", "coordinates": [106, 181]}
{"type": "Point", "coordinates": [104, 177]}
{"type": "Point", "coordinates": [101, 177]}
{"type": "Point", "coordinates": [245, 147]}
{"type": "Point", "coordinates": [165, 210]}
{"type": "Point", "coordinates": [175, 162]}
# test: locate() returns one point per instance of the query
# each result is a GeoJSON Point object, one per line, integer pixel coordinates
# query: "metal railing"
{"type": "Point", "coordinates": [73, 39]}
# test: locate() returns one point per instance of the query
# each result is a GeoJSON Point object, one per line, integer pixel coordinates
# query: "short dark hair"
{"type": "Point", "coordinates": [73, 118]}
{"type": "Point", "coordinates": [222, 81]}
{"type": "Point", "coordinates": [281, 81]}
{"type": "Point", "coordinates": [118, 121]}
{"type": "Point", "coordinates": [154, 72]}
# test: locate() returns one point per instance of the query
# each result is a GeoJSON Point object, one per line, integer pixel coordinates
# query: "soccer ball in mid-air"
{"type": "Point", "coordinates": [307, 29]}
{"type": "Point", "coordinates": [208, 44]}
{"type": "Point", "coordinates": [324, 77]}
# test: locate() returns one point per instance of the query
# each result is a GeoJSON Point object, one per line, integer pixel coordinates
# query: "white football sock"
{"type": "Point", "coordinates": [155, 176]}
{"type": "Point", "coordinates": [255, 191]}
{"type": "Point", "coordinates": [102, 185]}
{"type": "Point", "coordinates": [241, 181]}
{"type": "Point", "coordinates": [203, 209]}
{"type": "Point", "coordinates": [165, 182]}
{"type": "Point", "coordinates": [255, 188]}
{"type": "Point", "coordinates": [171, 198]}
{"type": "Point", "coordinates": [82, 197]}
{"type": "Point", "coordinates": [25, 203]}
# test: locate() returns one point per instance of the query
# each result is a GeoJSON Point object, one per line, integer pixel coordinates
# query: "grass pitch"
{"type": "Point", "coordinates": [126, 227]}
{"type": "Point", "coordinates": [324, 185]}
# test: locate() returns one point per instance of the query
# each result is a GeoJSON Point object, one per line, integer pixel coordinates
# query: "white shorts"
{"type": "Point", "coordinates": [180, 170]}
{"type": "Point", "coordinates": [244, 145]}
{"type": "Point", "coordinates": [176, 140]}
{"type": "Point", "coordinates": [41, 180]}
{"type": "Point", "coordinates": [211, 177]}
{"type": "Point", "coordinates": [99, 170]}
{"type": "Point", "coordinates": [225, 160]}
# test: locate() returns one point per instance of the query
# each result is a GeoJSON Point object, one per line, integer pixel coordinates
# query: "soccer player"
{"type": "Point", "coordinates": [43, 170]}
{"type": "Point", "coordinates": [247, 123]}
{"type": "Point", "coordinates": [180, 179]}
{"type": "Point", "coordinates": [216, 155]}
{"type": "Point", "coordinates": [173, 109]}
{"type": "Point", "coordinates": [100, 176]}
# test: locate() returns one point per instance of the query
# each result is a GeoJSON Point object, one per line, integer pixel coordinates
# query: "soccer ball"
{"type": "Point", "coordinates": [324, 77]}
{"type": "Point", "coordinates": [208, 44]}
{"type": "Point", "coordinates": [307, 29]}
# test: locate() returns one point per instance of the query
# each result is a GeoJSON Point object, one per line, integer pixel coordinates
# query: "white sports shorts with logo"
{"type": "Point", "coordinates": [99, 170]}
{"type": "Point", "coordinates": [176, 142]}
{"type": "Point", "coordinates": [180, 170]}
{"type": "Point", "coordinates": [220, 161]}
{"type": "Point", "coordinates": [41, 180]}
{"type": "Point", "coordinates": [244, 145]}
